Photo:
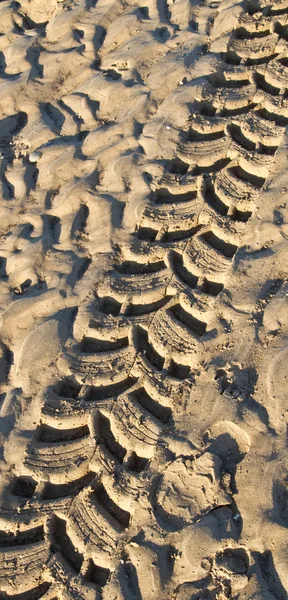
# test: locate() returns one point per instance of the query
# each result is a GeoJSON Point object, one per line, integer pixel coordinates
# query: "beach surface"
{"type": "Point", "coordinates": [143, 300]}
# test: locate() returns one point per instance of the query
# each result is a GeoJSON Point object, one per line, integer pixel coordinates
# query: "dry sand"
{"type": "Point", "coordinates": [143, 298]}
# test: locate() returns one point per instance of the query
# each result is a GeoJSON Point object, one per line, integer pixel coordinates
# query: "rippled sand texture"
{"type": "Point", "coordinates": [143, 293]}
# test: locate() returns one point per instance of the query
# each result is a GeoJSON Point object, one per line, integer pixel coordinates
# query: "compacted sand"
{"type": "Point", "coordinates": [143, 298]}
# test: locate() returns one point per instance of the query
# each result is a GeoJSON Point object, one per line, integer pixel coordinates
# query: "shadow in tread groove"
{"type": "Point", "coordinates": [137, 463]}
{"type": "Point", "coordinates": [45, 433]}
{"type": "Point", "coordinates": [118, 514]}
{"type": "Point", "coordinates": [54, 491]}
{"type": "Point", "coordinates": [195, 325]}
{"type": "Point", "coordinates": [134, 310]}
{"type": "Point", "coordinates": [162, 413]}
{"type": "Point", "coordinates": [178, 371]}
{"type": "Point", "coordinates": [31, 536]}
{"type": "Point", "coordinates": [181, 271]}
{"type": "Point", "coordinates": [35, 593]}
{"type": "Point", "coordinates": [105, 435]}
{"type": "Point", "coordinates": [96, 574]}
{"type": "Point", "coordinates": [62, 542]}
{"type": "Point", "coordinates": [96, 394]}
{"type": "Point", "coordinates": [225, 248]}
{"type": "Point", "coordinates": [144, 345]}
{"type": "Point", "coordinates": [24, 487]}
{"type": "Point", "coordinates": [92, 345]}
{"type": "Point", "coordinates": [134, 268]}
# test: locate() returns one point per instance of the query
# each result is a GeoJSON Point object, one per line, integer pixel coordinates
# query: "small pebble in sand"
{"type": "Point", "coordinates": [168, 126]}
{"type": "Point", "coordinates": [34, 156]}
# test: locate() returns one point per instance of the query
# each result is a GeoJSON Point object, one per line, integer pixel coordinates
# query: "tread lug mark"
{"type": "Point", "coordinates": [68, 581]}
{"type": "Point", "coordinates": [134, 268]}
{"type": "Point", "coordinates": [174, 338]}
{"type": "Point", "coordinates": [180, 270]}
{"type": "Point", "coordinates": [34, 593]}
{"type": "Point", "coordinates": [136, 463]}
{"type": "Point", "coordinates": [62, 542]}
{"type": "Point", "coordinates": [164, 196]}
{"type": "Point", "coordinates": [225, 248]}
{"type": "Point", "coordinates": [45, 433]}
{"type": "Point", "coordinates": [19, 565]}
{"type": "Point", "coordinates": [132, 422]}
{"type": "Point", "coordinates": [94, 528]}
{"type": "Point", "coordinates": [148, 285]}
{"type": "Point", "coordinates": [105, 435]}
{"type": "Point", "coordinates": [30, 536]}
{"type": "Point", "coordinates": [136, 310]}
{"type": "Point", "coordinates": [162, 413]}
{"type": "Point", "coordinates": [54, 491]}
{"type": "Point", "coordinates": [143, 344]}
{"type": "Point", "coordinates": [196, 326]}
{"type": "Point", "coordinates": [92, 345]}
{"type": "Point", "coordinates": [106, 392]}
{"type": "Point", "coordinates": [96, 574]}
{"type": "Point", "coordinates": [24, 486]}
{"type": "Point", "coordinates": [68, 388]}
{"type": "Point", "coordinates": [98, 366]}
{"type": "Point", "coordinates": [61, 459]}
{"type": "Point", "coordinates": [178, 371]}
{"type": "Point", "coordinates": [211, 287]}
{"type": "Point", "coordinates": [122, 517]}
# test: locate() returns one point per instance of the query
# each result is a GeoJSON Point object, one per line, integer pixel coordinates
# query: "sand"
{"type": "Point", "coordinates": [143, 299]}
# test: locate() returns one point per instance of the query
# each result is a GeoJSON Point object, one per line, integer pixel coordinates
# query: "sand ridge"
{"type": "Point", "coordinates": [143, 291]}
